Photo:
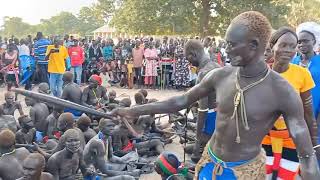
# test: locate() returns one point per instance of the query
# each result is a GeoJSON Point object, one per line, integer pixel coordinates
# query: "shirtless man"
{"type": "Point", "coordinates": [83, 124]}
{"type": "Point", "coordinates": [198, 58]}
{"type": "Point", "coordinates": [38, 113]}
{"type": "Point", "coordinates": [45, 89]}
{"type": "Point", "coordinates": [99, 153]}
{"type": "Point", "coordinates": [52, 119]}
{"type": "Point", "coordinates": [66, 122]}
{"type": "Point", "coordinates": [125, 102]}
{"type": "Point", "coordinates": [7, 121]}
{"type": "Point", "coordinates": [241, 125]}
{"type": "Point", "coordinates": [148, 145]}
{"type": "Point", "coordinates": [63, 165]}
{"type": "Point", "coordinates": [71, 92]}
{"type": "Point", "coordinates": [145, 94]}
{"type": "Point", "coordinates": [33, 166]}
{"type": "Point", "coordinates": [27, 133]}
{"type": "Point", "coordinates": [10, 158]}
{"type": "Point", "coordinates": [112, 97]}
{"type": "Point", "coordinates": [139, 98]}
{"type": "Point", "coordinates": [93, 95]}
{"type": "Point", "coordinates": [10, 106]}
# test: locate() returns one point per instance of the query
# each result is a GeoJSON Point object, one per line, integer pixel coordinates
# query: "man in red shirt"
{"type": "Point", "coordinates": [76, 54]}
{"type": "Point", "coordinates": [137, 54]}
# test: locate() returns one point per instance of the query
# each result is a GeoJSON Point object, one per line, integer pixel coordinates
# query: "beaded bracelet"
{"type": "Point", "coordinates": [307, 155]}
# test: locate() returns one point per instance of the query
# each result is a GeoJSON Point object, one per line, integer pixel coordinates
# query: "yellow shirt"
{"type": "Point", "coordinates": [301, 80]}
{"type": "Point", "coordinates": [56, 63]}
{"type": "Point", "coordinates": [130, 68]}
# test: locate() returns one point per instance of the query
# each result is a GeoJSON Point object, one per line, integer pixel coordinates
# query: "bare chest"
{"type": "Point", "coordinates": [258, 102]}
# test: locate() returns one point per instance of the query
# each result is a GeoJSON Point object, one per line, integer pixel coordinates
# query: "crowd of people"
{"type": "Point", "coordinates": [254, 118]}
{"type": "Point", "coordinates": [139, 62]}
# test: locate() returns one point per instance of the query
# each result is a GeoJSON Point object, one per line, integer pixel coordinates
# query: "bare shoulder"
{"type": "Point", "coordinates": [46, 176]}
{"type": "Point", "coordinates": [219, 74]}
{"type": "Point", "coordinates": [284, 92]}
{"type": "Point", "coordinates": [95, 143]}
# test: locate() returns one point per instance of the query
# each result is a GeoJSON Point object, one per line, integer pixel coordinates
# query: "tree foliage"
{"type": "Point", "coordinates": [170, 17]}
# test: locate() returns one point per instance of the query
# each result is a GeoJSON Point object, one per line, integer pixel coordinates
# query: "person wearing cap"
{"type": "Point", "coordinates": [56, 55]}
{"type": "Point", "coordinates": [167, 165]}
{"type": "Point", "coordinates": [94, 95]}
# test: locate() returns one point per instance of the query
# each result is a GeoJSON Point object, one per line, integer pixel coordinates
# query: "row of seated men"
{"type": "Point", "coordinates": [64, 147]}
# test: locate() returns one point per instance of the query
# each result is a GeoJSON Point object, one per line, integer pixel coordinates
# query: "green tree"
{"type": "Point", "coordinates": [89, 20]}
{"type": "Point", "coordinates": [15, 26]}
{"type": "Point", "coordinates": [301, 11]}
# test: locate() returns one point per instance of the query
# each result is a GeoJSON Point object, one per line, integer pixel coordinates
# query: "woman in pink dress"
{"type": "Point", "coordinates": [151, 64]}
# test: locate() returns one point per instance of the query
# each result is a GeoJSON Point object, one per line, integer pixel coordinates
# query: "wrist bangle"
{"type": "Point", "coordinates": [307, 155]}
{"type": "Point", "coordinates": [203, 110]}
{"type": "Point", "coordinates": [317, 146]}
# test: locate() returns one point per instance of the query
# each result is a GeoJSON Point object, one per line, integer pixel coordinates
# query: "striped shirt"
{"type": "Point", "coordinates": [40, 48]}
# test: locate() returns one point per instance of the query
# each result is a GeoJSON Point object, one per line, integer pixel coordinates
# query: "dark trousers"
{"type": "Point", "coordinates": [43, 73]}
{"type": "Point", "coordinates": [137, 71]}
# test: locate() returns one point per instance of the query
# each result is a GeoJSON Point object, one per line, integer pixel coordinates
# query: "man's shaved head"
{"type": "Point", "coordinates": [84, 120]}
{"type": "Point", "coordinates": [139, 98]}
{"type": "Point", "coordinates": [125, 102]}
{"type": "Point", "coordinates": [7, 138]}
{"type": "Point", "coordinates": [256, 23]}
{"type": "Point", "coordinates": [66, 117]}
{"type": "Point", "coordinates": [194, 51]}
{"type": "Point", "coordinates": [144, 92]}
{"type": "Point", "coordinates": [71, 133]}
{"type": "Point", "coordinates": [67, 76]}
{"type": "Point", "coordinates": [36, 156]}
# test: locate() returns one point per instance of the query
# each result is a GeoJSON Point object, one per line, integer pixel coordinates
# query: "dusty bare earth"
{"type": "Point", "coordinates": [175, 147]}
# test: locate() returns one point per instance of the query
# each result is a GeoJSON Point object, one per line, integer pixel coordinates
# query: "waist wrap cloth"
{"type": "Point", "coordinates": [210, 167]}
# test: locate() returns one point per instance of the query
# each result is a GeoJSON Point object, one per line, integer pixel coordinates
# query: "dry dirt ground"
{"type": "Point", "coordinates": [175, 147]}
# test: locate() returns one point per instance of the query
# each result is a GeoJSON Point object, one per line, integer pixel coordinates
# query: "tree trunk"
{"type": "Point", "coordinates": [204, 19]}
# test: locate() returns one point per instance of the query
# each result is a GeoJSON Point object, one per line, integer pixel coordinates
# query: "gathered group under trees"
{"type": "Point", "coordinates": [165, 17]}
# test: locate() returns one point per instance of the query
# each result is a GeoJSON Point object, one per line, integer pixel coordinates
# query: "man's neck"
{"type": "Point", "coordinates": [7, 151]}
{"type": "Point", "coordinates": [68, 153]}
{"type": "Point", "coordinates": [309, 55]}
{"type": "Point", "coordinates": [24, 130]}
{"type": "Point", "coordinates": [203, 62]}
{"type": "Point", "coordinates": [280, 68]}
{"type": "Point", "coordinates": [253, 69]}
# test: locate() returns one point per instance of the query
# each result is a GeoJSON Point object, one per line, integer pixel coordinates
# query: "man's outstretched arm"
{"type": "Point", "coordinates": [173, 104]}
{"type": "Point", "coordinates": [293, 113]}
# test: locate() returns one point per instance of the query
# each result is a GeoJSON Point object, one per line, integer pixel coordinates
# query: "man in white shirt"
{"type": "Point", "coordinates": [23, 48]}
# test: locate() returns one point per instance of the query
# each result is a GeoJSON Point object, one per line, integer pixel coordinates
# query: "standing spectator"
{"type": "Point", "coordinates": [206, 44]}
{"type": "Point", "coordinates": [76, 54]}
{"type": "Point", "coordinates": [181, 76]}
{"type": "Point", "coordinates": [10, 61]}
{"type": "Point", "coordinates": [108, 51]}
{"type": "Point", "coordinates": [23, 48]}
{"type": "Point", "coordinates": [151, 59]}
{"type": "Point", "coordinates": [95, 51]}
{"type": "Point", "coordinates": [68, 42]}
{"type": "Point", "coordinates": [308, 59]}
{"type": "Point", "coordinates": [56, 55]}
{"type": "Point", "coordinates": [40, 47]}
{"type": "Point", "coordinates": [137, 54]}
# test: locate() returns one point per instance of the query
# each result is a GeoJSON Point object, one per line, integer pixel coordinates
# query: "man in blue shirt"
{"type": "Point", "coordinates": [40, 48]}
{"type": "Point", "coordinates": [309, 59]}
